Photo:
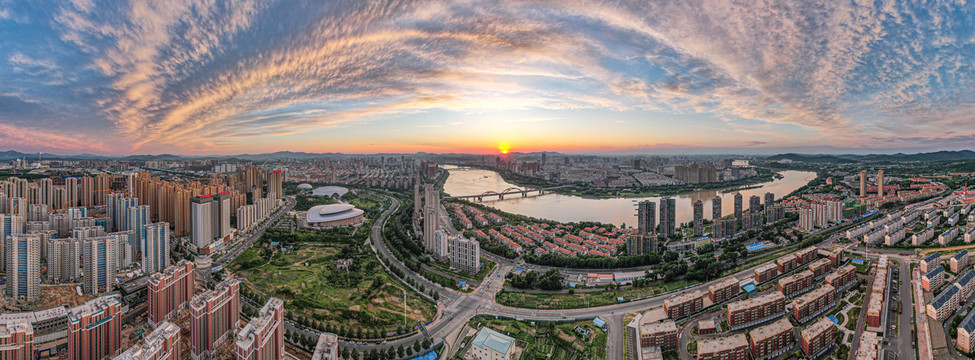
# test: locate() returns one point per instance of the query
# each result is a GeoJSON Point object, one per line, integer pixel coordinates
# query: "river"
{"type": "Point", "coordinates": [617, 211]}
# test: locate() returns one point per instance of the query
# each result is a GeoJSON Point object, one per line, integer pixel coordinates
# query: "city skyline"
{"type": "Point", "coordinates": [256, 76]}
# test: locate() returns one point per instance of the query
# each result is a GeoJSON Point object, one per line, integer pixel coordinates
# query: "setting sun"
{"type": "Point", "coordinates": [504, 148]}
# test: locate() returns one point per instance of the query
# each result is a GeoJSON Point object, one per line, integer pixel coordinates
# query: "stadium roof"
{"type": "Point", "coordinates": [330, 191]}
{"type": "Point", "coordinates": [332, 212]}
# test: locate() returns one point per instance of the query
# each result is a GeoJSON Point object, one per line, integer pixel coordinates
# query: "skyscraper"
{"type": "Point", "coordinates": [138, 218]}
{"type": "Point", "coordinates": [117, 210]}
{"type": "Point", "coordinates": [880, 183]}
{"type": "Point", "coordinates": [668, 214]}
{"type": "Point", "coordinates": [769, 200]}
{"type": "Point", "coordinates": [698, 218]}
{"type": "Point", "coordinates": [155, 247]}
{"type": "Point", "coordinates": [431, 216]}
{"type": "Point", "coordinates": [738, 200]}
{"type": "Point", "coordinates": [201, 211]}
{"type": "Point", "coordinates": [95, 328]}
{"type": "Point", "coordinates": [99, 256]}
{"type": "Point", "coordinates": [275, 179]}
{"type": "Point", "coordinates": [263, 337]}
{"type": "Point", "coordinates": [63, 260]}
{"type": "Point", "coordinates": [754, 203]}
{"type": "Point", "coordinates": [17, 341]}
{"type": "Point", "coordinates": [215, 316]}
{"type": "Point", "coordinates": [221, 214]}
{"type": "Point", "coordinates": [23, 266]}
{"type": "Point", "coordinates": [646, 217]}
{"type": "Point", "coordinates": [716, 208]}
{"type": "Point", "coordinates": [465, 254]}
{"type": "Point", "coordinates": [9, 225]}
{"type": "Point", "coordinates": [863, 183]}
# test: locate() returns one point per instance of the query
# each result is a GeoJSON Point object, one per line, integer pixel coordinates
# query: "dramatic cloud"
{"type": "Point", "coordinates": [218, 75]}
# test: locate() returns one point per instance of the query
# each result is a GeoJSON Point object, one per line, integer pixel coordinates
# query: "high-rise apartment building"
{"type": "Point", "coordinates": [715, 208]}
{"type": "Point", "coordinates": [431, 216]}
{"type": "Point", "coordinates": [9, 225]}
{"type": "Point", "coordinates": [738, 207]}
{"type": "Point", "coordinates": [63, 260]}
{"type": "Point", "coordinates": [668, 217]}
{"type": "Point", "coordinates": [754, 203]}
{"type": "Point", "coordinates": [138, 217]}
{"type": "Point", "coordinates": [155, 247]}
{"type": "Point", "coordinates": [275, 181]}
{"type": "Point", "coordinates": [215, 316]}
{"type": "Point", "coordinates": [646, 217]}
{"type": "Point", "coordinates": [95, 328]}
{"type": "Point", "coordinates": [201, 210]}
{"type": "Point", "coordinates": [465, 254]}
{"type": "Point", "coordinates": [327, 347]}
{"type": "Point", "coordinates": [263, 337]}
{"type": "Point", "coordinates": [170, 290]}
{"type": "Point", "coordinates": [161, 344]}
{"type": "Point", "coordinates": [23, 253]}
{"type": "Point", "coordinates": [880, 183]}
{"type": "Point", "coordinates": [698, 218]}
{"type": "Point", "coordinates": [37, 212]}
{"type": "Point", "coordinates": [16, 341]}
{"type": "Point", "coordinates": [99, 258]}
{"type": "Point", "coordinates": [863, 183]}
{"type": "Point", "coordinates": [769, 200]}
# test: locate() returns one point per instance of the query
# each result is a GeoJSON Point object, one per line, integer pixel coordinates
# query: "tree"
{"type": "Point", "coordinates": [355, 354]}
{"type": "Point", "coordinates": [400, 352]}
{"type": "Point", "coordinates": [416, 346]}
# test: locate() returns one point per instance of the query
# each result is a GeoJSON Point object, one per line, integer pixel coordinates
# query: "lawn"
{"type": "Point", "coordinates": [550, 340]}
{"type": "Point", "coordinates": [304, 202]}
{"type": "Point", "coordinates": [583, 300]}
{"type": "Point", "coordinates": [312, 285]}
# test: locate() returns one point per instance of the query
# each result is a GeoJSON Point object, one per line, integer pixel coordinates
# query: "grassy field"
{"type": "Point", "coordinates": [312, 285]}
{"type": "Point", "coordinates": [582, 300]}
{"type": "Point", "coordinates": [550, 340]}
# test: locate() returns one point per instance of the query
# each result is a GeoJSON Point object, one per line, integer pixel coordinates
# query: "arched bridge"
{"type": "Point", "coordinates": [524, 192]}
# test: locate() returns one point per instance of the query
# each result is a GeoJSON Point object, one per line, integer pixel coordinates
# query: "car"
{"type": "Point", "coordinates": [904, 254]}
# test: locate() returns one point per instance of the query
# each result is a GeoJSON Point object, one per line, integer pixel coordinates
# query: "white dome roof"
{"type": "Point", "coordinates": [304, 187]}
{"type": "Point", "coordinates": [332, 212]}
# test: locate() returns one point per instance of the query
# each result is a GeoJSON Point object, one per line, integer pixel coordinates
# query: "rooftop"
{"type": "Point", "coordinates": [767, 331]}
{"type": "Point", "coordinates": [815, 294]}
{"type": "Point", "coordinates": [817, 328]}
{"type": "Point", "coordinates": [685, 297]}
{"type": "Point", "coordinates": [709, 346]}
{"type": "Point", "coordinates": [755, 301]}
{"type": "Point", "coordinates": [965, 278]}
{"type": "Point", "coordinates": [932, 257]}
{"type": "Point", "coordinates": [488, 338]}
{"type": "Point", "coordinates": [934, 272]}
{"type": "Point", "coordinates": [93, 307]}
{"type": "Point", "coordinates": [943, 297]}
{"type": "Point", "coordinates": [658, 327]}
{"type": "Point", "coordinates": [724, 283]}
{"type": "Point", "coordinates": [332, 212]}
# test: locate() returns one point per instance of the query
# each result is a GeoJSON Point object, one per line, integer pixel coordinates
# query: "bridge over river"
{"type": "Point", "coordinates": [524, 192]}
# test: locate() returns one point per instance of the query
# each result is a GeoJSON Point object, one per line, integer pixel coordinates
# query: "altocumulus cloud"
{"type": "Point", "coordinates": [208, 75]}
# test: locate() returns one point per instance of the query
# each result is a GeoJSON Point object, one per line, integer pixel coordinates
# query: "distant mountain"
{"type": "Point", "coordinates": [816, 159]}
{"type": "Point", "coordinates": [962, 155]}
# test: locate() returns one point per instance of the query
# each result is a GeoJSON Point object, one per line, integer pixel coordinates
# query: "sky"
{"type": "Point", "coordinates": [362, 76]}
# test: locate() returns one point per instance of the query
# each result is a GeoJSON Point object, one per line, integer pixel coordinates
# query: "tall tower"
{"type": "Point", "coordinates": [201, 213]}
{"type": "Point", "coordinates": [716, 208]}
{"type": "Point", "coordinates": [863, 183]}
{"type": "Point", "coordinates": [668, 212]}
{"type": "Point", "coordinates": [880, 183]}
{"type": "Point", "coordinates": [23, 252]}
{"type": "Point", "coordinates": [646, 217]}
{"type": "Point", "coordinates": [431, 216]}
{"type": "Point", "coordinates": [99, 258]}
{"type": "Point", "coordinates": [698, 218]}
{"type": "Point", "coordinates": [738, 200]}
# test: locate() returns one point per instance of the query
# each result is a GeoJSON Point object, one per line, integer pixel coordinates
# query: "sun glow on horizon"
{"type": "Point", "coordinates": [504, 149]}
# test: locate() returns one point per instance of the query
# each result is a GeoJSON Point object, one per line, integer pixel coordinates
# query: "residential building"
{"type": "Point", "coordinates": [163, 343]}
{"type": "Point", "coordinates": [842, 277]}
{"type": "Point", "coordinates": [766, 272]}
{"type": "Point", "coordinates": [169, 291]}
{"type": "Point", "coordinates": [966, 333]}
{"type": "Point", "coordinates": [95, 328]}
{"type": "Point", "coordinates": [155, 247]}
{"type": "Point", "coordinates": [863, 183]}
{"type": "Point", "coordinates": [201, 211]}
{"type": "Point", "coordinates": [63, 260]}
{"type": "Point", "coordinates": [944, 304]}
{"type": "Point", "coordinates": [738, 209]}
{"type": "Point", "coordinates": [734, 347]}
{"type": "Point", "coordinates": [814, 303]}
{"type": "Point", "coordinates": [698, 218]}
{"type": "Point", "coordinates": [492, 345]}
{"type": "Point", "coordinates": [263, 337]}
{"type": "Point", "coordinates": [465, 254]}
{"type": "Point", "coordinates": [806, 255]}
{"type": "Point", "coordinates": [327, 347]}
{"type": "Point", "coordinates": [16, 341]}
{"type": "Point", "coordinates": [869, 346]}
{"type": "Point", "coordinates": [787, 263]}
{"type": "Point", "coordinates": [930, 262]}
{"type": "Point", "coordinates": [755, 204]}
{"type": "Point", "coordinates": [100, 264]}
{"type": "Point", "coordinates": [23, 255]}
{"type": "Point", "coordinates": [933, 279]}
{"type": "Point", "coordinates": [646, 217]}
{"type": "Point", "coordinates": [818, 337]}
{"type": "Point", "coordinates": [215, 317]}
{"type": "Point", "coordinates": [756, 310]}
{"type": "Point", "coordinates": [684, 304]}
{"type": "Point", "coordinates": [668, 217]}
{"type": "Point", "coordinates": [723, 290]}
{"type": "Point", "coordinates": [820, 267]}
{"type": "Point", "coordinates": [959, 261]}
{"type": "Point", "coordinates": [715, 208]}
{"type": "Point", "coordinates": [796, 284]}
{"type": "Point", "coordinates": [965, 282]}
{"type": "Point", "coordinates": [771, 340]}
{"type": "Point", "coordinates": [431, 215]}
{"type": "Point", "coordinates": [836, 257]}
{"type": "Point", "coordinates": [662, 334]}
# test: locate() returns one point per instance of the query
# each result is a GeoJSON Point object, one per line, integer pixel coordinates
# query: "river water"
{"type": "Point", "coordinates": [617, 211]}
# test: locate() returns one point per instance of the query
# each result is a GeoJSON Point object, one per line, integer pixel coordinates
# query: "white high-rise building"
{"type": "Point", "coordinates": [63, 260]}
{"type": "Point", "coordinates": [99, 257]}
{"type": "Point", "coordinates": [465, 254]}
{"type": "Point", "coordinates": [138, 218]}
{"type": "Point", "coordinates": [155, 248]}
{"type": "Point", "coordinates": [23, 253]}
{"type": "Point", "coordinates": [431, 216]}
{"type": "Point", "coordinates": [441, 245]}
{"type": "Point", "coordinates": [201, 213]}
